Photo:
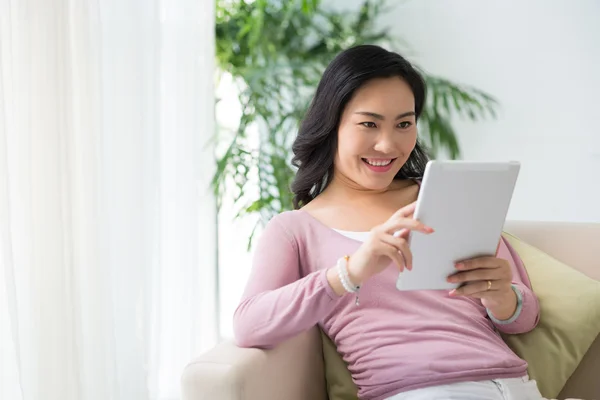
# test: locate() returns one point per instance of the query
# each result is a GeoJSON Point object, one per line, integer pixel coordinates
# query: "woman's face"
{"type": "Point", "coordinates": [377, 134]}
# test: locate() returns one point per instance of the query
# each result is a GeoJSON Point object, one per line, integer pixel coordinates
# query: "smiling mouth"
{"type": "Point", "coordinates": [378, 162]}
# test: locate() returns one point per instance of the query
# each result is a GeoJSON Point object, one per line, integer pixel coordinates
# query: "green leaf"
{"type": "Point", "coordinates": [251, 238]}
{"type": "Point", "coordinates": [309, 6]}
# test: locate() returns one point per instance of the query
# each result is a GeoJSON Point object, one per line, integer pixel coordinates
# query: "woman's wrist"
{"type": "Point", "coordinates": [506, 307]}
{"type": "Point", "coordinates": [335, 282]}
{"type": "Point", "coordinates": [353, 277]}
{"type": "Point", "coordinates": [357, 277]}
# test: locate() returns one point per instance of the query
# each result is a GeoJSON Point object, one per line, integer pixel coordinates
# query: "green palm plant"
{"type": "Point", "coordinates": [277, 51]}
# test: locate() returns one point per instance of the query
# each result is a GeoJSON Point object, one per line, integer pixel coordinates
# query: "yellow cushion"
{"type": "Point", "coordinates": [340, 385]}
{"type": "Point", "coordinates": [570, 321]}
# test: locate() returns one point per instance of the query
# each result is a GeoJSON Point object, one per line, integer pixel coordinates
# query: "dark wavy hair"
{"type": "Point", "coordinates": [315, 145]}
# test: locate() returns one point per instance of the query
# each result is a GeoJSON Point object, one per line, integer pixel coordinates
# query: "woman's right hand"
{"type": "Point", "coordinates": [387, 243]}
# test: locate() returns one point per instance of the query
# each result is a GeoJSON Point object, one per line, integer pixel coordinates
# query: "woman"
{"type": "Point", "coordinates": [331, 261]}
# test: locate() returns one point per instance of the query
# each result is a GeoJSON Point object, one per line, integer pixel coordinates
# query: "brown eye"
{"type": "Point", "coordinates": [368, 124]}
{"type": "Point", "coordinates": [405, 124]}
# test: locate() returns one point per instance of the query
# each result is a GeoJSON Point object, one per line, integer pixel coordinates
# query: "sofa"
{"type": "Point", "coordinates": [295, 371]}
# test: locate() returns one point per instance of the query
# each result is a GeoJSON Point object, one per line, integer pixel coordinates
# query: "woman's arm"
{"type": "Point", "coordinates": [278, 303]}
{"type": "Point", "coordinates": [526, 305]}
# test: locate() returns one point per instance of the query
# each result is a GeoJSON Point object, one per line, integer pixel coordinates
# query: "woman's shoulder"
{"type": "Point", "coordinates": [288, 216]}
{"type": "Point", "coordinates": [292, 229]}
{"type": "Point", "coordinates": [291, 223]}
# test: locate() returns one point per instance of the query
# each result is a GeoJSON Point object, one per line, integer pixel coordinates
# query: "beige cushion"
{"type": "Point", "coordinates": [570, 321]}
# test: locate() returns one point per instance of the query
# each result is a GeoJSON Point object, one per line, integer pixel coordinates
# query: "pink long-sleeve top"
{"type": "Point", "coordinates": [393, 341]}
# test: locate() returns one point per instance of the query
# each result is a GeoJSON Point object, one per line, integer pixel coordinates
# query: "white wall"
{"type": "Point", "coordinates": [541, 60]}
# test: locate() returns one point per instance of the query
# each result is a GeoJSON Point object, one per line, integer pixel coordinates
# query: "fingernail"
{"type": "Point", "coordinates": [452, 292]}
{"type": "Point", "coordinates": [429, 229]}
{"type": "Point", "coordinates": [460, 265]}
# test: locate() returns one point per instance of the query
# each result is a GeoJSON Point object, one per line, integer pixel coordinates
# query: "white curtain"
{"type": "Point", "coordinates": [107, 229]}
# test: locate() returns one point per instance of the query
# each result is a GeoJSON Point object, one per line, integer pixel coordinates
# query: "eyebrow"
{"type": "Point", "coordinates": [381, 117]}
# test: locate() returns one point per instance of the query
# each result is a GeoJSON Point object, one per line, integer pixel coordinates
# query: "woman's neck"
{"type": "Point", "coordinates": [342, 187]}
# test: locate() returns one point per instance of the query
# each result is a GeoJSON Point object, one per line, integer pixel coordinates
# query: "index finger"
{"type": "Point", "coordinates": [405, 211]}
{"type": "Point", "coordinates": [476, 263]}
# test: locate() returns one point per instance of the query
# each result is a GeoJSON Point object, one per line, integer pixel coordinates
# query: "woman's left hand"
{"type": "Point", "coordinates": [488, 279]}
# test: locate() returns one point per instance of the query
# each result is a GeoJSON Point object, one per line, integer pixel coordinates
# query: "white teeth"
{"type": "Point", "coordinates": [378, 163]}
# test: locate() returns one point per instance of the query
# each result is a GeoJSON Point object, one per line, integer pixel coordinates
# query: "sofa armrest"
{"type": "Point", "coordinates": [292, 371]}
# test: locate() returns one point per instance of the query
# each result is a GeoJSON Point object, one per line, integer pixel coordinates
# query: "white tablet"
{"type": "Point", "coordinates": [466, 204]}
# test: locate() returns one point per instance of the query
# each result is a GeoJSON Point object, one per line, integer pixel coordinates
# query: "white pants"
{"type": "Point", "coordinates": [496, 389]}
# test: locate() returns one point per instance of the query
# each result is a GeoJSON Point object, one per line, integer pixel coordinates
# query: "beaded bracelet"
{"type": "Point", "coordinates": [342, 270]}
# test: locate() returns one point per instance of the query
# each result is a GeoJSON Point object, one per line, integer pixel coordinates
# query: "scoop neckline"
{"type": "Point", "coordinates": [333, 231]}
{"type": "Point", "coordinates": [337, 232]}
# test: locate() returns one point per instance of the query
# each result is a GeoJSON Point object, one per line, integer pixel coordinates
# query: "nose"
{"type": "Point", "coordinates": [385, 143]}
